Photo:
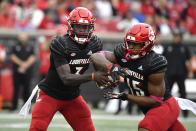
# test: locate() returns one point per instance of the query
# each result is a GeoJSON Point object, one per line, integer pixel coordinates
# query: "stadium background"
{"type": "Point", "coordinates": [14, 20]}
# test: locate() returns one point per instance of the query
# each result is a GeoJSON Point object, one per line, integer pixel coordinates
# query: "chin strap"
{"type": "Point", "coordinates": [80, 40]}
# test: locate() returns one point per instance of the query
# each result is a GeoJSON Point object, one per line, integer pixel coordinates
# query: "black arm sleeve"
{"type": "Point", "coordinates": [119, 52]}
{"type": "Point", "coordinates": [58, 52]}
{"type": "Point", "coordinates": [158, 64]}
{"type": "Point", "coordinates": [95, 44]}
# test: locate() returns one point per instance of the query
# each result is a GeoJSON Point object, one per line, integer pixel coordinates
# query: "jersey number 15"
{"type": "Point", "coordinates": [134, 87]}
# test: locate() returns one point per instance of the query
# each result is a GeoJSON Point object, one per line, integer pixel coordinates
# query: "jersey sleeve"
{"type": "Point", "coordinates": [95, 44]}
{"type": "Point", "coordinates": [58, 52]}
{"type": "Point", "coordinates": [158, 64]}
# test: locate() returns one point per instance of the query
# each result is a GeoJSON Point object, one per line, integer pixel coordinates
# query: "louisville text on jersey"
{"type": "Point", "coordinates": [79, 61]}
{"type": "Point", "coordinates": [135, 74]}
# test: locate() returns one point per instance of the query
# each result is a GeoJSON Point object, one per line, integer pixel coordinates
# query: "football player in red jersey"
{"type": "Point", "coordinates": [69, 59]}
{"type": "Point", "coordinates": [143, 71]}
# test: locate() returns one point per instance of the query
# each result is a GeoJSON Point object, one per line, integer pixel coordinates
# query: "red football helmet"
{"type": "Point", "coordinates": [140, 34]}
{"type": "Point", "coordinates": [81, 25]}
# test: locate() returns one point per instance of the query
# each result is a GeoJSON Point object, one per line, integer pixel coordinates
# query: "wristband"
{"type": "Point", "coordinates": [93, 76]}
{"type": "Point", "coordinates": [110, 66]}
{"type": "Point", "coordinates": [156, 98]}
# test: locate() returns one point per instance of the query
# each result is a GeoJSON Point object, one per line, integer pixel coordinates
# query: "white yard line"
{"type": "Point", "coordinates": [95, 117]}
{"type": "Point", "coordinates": [26, 125]}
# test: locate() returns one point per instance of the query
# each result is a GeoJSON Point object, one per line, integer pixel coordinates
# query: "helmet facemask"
{"type": "Point", "coordinates": [81, 32]}
{"type": "Point", "coordinates": [135, 50]}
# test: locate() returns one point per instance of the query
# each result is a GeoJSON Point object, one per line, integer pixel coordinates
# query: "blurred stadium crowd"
{"type": "Point", "coordinates": [112, 15]}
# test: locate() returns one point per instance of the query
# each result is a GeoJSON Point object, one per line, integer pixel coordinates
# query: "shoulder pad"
{"type": "Point", "coordinates": [158, 63]}
{"type": "Point", "coordinates": [59, 45]}
{"type": "Point", "coordinates": [119, 51]}
{"type": "Point", "coordinates": [95, 44]}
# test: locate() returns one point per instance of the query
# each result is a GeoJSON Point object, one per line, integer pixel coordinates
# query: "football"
{"type": "Point", "coordinates": [108, 85]}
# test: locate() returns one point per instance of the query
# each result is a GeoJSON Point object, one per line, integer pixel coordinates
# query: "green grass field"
{"type": "Point", "coordinates": [103, 121]}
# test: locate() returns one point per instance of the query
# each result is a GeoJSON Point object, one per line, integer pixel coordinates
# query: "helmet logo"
{"type": "Point", "coordinates": [130, 37]}
{"type": "Point", "coordinates": [123, 60]}
{"type": "Point", "coordinates": [81, 25]}
{"type": "Point", "coordinates": [73, 54]}
{"type": "Point", "coordinates": [152, 35]}
{"type": "Point", "coordinates": [83, 21]}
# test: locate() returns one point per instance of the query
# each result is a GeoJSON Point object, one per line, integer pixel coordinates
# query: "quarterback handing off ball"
{"type": "Point", "coordinates": [109, 84]}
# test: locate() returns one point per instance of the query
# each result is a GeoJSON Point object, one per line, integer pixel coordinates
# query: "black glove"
{"type": "Point", "coordinates": [125, 72]}
{"type": "Point", "coordinates": [122, 96]}
{"type": "Point", "coordinates": [115, 72]}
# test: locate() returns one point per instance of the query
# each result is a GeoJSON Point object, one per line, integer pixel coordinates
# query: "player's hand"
{"type": "Point", "coordinates": [115, 72]}
{"type": "Point", "coordinates": [110, 85]}
{"type": "Point", "coordinates": [102, 78]}
{"type": "Point", "coordinates": [125, 72]}
{"type": "Point", "coordinates": [121, 96]}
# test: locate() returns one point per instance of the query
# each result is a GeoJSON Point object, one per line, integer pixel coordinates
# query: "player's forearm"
{"type": "Point", "coordinates": [100, 61]}
{"type": "Point", "coordinates": [143, 100]}
{"type": "Point", "coordinates": [74, 79]}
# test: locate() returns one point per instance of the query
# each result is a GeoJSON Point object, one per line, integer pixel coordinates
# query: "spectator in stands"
{"type": "Point", "coordinates": [147, 7]}
{"type": "Point", "coordinates": [114, 4]}
{"type": "Point", "coordinates": [175, 12]}
{"type": "Point", "coordinates": [136, 11]}
{"type": "Point", "coordinates": [52, 9]}
{"type": "Point", "coordinates": [189, 14]}
{"type": "Point", "coordinates": [89, 4]}
{"type": "Point", "coordinates": [123, 7]}
{"type": "Point", "coordinates": [22, 16]}
{"type": "Point", "coordinates": [177, 55]}
{"type": "Point", "coordinates": [126, 22]}
{"type": "Point", "coordinates": [162, 9]}
{"type": "Point", "coordinates": [164, 27]}
{"type": "Point", "coordinates": [7, 18]}
{"type": "Point", "coordinates": [44, 56]}
{"type": "Point", "coordinates": [47, 23]}
{"type": "Point", "coordinates": [37, 16]}
{"type": "Point", "coordinates": [63, 12]}
{"type": "Point", "coordinates": [104, 9]}
{"type": "Point", "coordinates": [23, 58]}
{"type": "Point", "coordinates": [42, 4]}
